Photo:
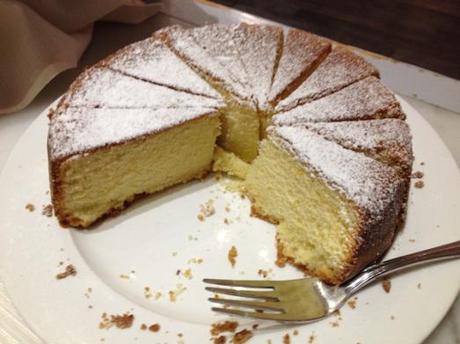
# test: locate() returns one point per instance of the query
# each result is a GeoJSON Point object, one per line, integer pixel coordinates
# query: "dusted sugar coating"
{"type": "Point", "coordinates": [76, 130]}
{"type": "Point", "coordinates": [183, 43]}
{"type": "Point", "coordinates": [151, 60]}
{"type": "Point", "coordinates": [340, 69]}
{"type": "Point", "coordinates": [103, 87]}
{"type": "Point", "coordinates": [302, 52]}
{"type": "Point", "coordinates": [387, 140]}
{"type": "Point", "coordinates": [365, 99]}
{"type": "Point", "coordinates": [260, 49]}
{"type": "Point", "coordinates": [368, 183]}
{"type": "Point", "coordinates": [219, 42]}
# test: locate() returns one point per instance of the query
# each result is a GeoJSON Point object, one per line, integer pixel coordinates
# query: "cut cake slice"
{"type": "Point", "coordinates": [151, 60]}
{"type": "Point", "coordinates": [103, 87]}
{"type": "Point", "coordinates": [386, 140]}
{"type": "Point", "coordinates": [336, 209]}
{"type": "Point", "coordinates": [183, 43]}
{"type": "Point", "coordinates": [260, 50]}
{"type": "Point", "coordinates": [101, 159]}
{"type": "Point", "coordinates": [340, 68]}
{"type": "Point", "coordinates": [240, 120]}
{"type": "Point", "coordinates": [302, 53]}
{"type": "Point", "coordinates": [365, 99]}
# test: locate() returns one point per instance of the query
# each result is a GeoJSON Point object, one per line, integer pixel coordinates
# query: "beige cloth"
{"type": "Point", "coordinates": [41, 38]}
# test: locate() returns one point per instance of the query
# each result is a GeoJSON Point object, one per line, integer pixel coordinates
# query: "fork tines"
{"type": "Point", "coordinates": [265, 306]}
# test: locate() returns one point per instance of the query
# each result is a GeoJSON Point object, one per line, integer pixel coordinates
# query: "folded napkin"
{"type": "Point", "coordinates": [40, 39]}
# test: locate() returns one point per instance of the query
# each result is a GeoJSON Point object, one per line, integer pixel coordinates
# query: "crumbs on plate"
{"type": "Point", "coordinates": [122, 321]}
{"type": "Point", "coordinates": [47, 210]}
{"type": "Point", "coordinates": [69, 271]}
{"type": "Point", "coordinates": [386, 285]}
{"type": "Point", "coordinates": [30, 207]}
{"type": "Point", "coordinates": [232, 254]}
{"type": "Point", "coordinates": [206, 210]}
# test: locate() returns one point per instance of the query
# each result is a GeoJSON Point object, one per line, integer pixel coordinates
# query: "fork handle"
{"type": "Point", "coordinates": [376, 271]}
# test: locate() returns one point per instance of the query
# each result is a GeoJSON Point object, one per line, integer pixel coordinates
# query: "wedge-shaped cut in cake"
{"type": "Point", "coordinates": [336, 209]}
{"type": "Point", "coordinates": [340, 68]}
{"type": "Point", "coordinates": [104, 87]}
{"type": "Point", "coordinates": [260, 50]}
{"type": "Point", "coordinates": [102, 159]}
{"type": "Point", "coordinates": [240, 121]}
{"type": "Point", "coordinates": [151, 60]}
{"type": "Point", "coordinates": [302, 53]}
{"type": "Point", "coordinates": [386, 140]}
{"type": "Point", "coordinates": [365, 99]}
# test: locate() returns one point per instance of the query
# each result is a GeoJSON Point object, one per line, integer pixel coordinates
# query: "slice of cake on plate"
{"type": "Point", "coordinates": [101, 159]}
{"type": "Point", "coordinates": [337, 210]}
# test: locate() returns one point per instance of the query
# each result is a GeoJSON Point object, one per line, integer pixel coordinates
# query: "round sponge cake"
{"type": "Point", "coordinates": [320, 143]}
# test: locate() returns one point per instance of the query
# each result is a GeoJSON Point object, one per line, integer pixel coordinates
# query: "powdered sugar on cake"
{"type": "Point", "coordinates": [182, 42]}
{"type": "Point", "coordinates": [365, 134]}
{"type": "Point", "coordinates": [365, 99]}
{"type": "Point", "coordinates": [153, 61]}
{"type": "Point", "coordinates": [77, 130]}
{"type": "Point", "coordinates": [260, 48]}
{"type": "Point", "coordinates": [339, 69]}
{"type": "Point", "coordinates": [103, 87]}
{"type": "Point", "coordinates": [301, 50]}
{"type": "Point", "coordinates": [369, 183]}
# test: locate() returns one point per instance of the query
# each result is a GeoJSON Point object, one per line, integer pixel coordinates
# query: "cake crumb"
{"type": "Point", "coordinates": [226, 221]}
{"type": "Point", "coordinates": [143, 327]}
{"type": "Point", "coordinates": [226, 326]}
{"type": "Point", "coordinates": [220, 340]}
{"type": "Point", "coordinates": [123, 321]}
{"type": "Point", "coordinates": [255, 326]}
{"type": "Point", "coordinates": [286, 339]}
{"type": "Point", "coordinates": [30, 207]}
{"type": "Point", "coordinates": [232, 254]}
{"type": "Point", "coordinates": [352, 303]}
{"type": "Point", "coordinates": [419, 184]}
{"type": "Point", "coordinates": [123, 276]}
{"type": "Point", "coordinates": [206, 210]}
{"type": "Point", "coordinates": [295, 333]}
{"type": "Point", "coordinates": [386, 284]}
{"type": "Point", "coordinates": [334, 323]}
{"type": "Point", "coordinates": [148, 293]}
{"type": "Point", "coordinates": [154, 328]}
{"type": "Point", "coordinates": [419, 285]}
{"type": "Point", "coordinates": [69, 271]}
{"type": "Point", "coordinates": [242, 336]}
{"type": "Point", "coordinates": [158, 294]}
{"type": "Point", "coordinates": [195, 261]}
{"type": "Point", "coordinates": [422, 163]}
{"type": "Point", "coordinates": [47, 210]}
{"type": "Point", "coordinates": [311, 339]}
{"type": "Point", "coordinates": [264, 273]}
{"type": "Point", "coordinates": [187, 274]}
{"type": "Point", "coordinates": [392, 317]}
{"type": "Point", "coordinates": [173, 294]}
{"type": "Point", "coordinates": [417, 175]}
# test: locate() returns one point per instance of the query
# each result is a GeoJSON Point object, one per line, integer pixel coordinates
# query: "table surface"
{"type": "Point", "coordinates": [109, 37]}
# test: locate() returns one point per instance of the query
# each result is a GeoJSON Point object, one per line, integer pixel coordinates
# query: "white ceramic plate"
{"type": "Point", "coordinates": [153, 239]}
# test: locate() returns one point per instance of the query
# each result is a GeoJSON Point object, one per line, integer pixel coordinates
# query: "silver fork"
{"type": "Point", "coordinates": [309, 299]}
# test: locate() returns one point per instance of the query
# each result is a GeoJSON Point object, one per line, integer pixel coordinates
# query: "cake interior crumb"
{"type": "Point", "coordinates": [30, 207]}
